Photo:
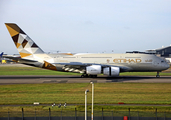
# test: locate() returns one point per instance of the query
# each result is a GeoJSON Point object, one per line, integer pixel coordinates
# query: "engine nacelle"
{"type": "Point", "coordinates": [93, 69]}
{"type": "Point", "coordinates": [111, 71]}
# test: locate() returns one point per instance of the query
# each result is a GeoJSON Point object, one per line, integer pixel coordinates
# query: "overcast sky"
{"type": "Point", "coordinates": [93, 26]}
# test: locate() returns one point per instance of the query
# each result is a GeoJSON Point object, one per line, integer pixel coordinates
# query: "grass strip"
{"type": "Point", "coordinates": [73, 93]}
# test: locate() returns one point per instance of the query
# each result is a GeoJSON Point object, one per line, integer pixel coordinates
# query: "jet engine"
{"type": "Point", "coordinates": [93, 69]}
{"type": "Point", "coordinates": [111, 71]}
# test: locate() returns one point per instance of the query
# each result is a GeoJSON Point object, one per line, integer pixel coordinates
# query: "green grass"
{"type": "Point", "coordinates": [8, 70]}
{"type": "Point", "coordinates": [73, 93]}
{"type": "Point", "coordinates": [144, 74]}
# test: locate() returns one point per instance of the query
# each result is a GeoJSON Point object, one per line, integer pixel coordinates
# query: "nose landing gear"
{"type": "Point", "coordinates": [157, 76]}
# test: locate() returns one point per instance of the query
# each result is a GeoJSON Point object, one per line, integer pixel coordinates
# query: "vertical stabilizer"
{"type": "Point", "coordinates": [25, 45]}
{"type": "Point", "coordinates": [1, 54]}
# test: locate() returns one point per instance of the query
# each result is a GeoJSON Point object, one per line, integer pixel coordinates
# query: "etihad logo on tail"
{"type": "Point", "coordinates": [25, 45]}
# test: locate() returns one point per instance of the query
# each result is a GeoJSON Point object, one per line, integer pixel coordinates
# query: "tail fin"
{"type": "Point", "coordinates": [25, 45]}
{"type": "Point", "coordinates": [1, 55]}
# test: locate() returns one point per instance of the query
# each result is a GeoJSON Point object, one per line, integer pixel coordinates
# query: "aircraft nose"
{"type": "Point", "coordinates": [167, 65]}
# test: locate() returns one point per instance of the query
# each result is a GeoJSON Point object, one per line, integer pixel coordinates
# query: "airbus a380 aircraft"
{"type": "Point", "coordinates": [88, 64]}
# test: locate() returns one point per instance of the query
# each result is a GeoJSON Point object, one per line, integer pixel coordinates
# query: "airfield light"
{"type": "Point", "coordinates": [86, 104]}
{"type": "Point", "coordinates": [92, 100]}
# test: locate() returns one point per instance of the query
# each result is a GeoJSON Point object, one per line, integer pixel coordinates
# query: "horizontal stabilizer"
{"type": "Point", "coordinates": [19, 59]}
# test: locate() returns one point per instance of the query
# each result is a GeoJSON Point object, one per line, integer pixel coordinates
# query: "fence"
{"type": "Point", "coordinates": [79, 115]}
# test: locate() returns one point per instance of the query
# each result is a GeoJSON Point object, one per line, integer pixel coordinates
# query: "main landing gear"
{"type": "Point", "coordinates": [84, 75]}
{"type": "Point", "coordinates": [157, 76]}
{"type": "Point", "coordinates": [88, 76]}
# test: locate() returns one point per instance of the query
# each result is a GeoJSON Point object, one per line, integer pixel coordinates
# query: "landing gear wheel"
{"type": "Point", "coordinates": [157, 76]}
{"type": "Point", "coordinates": [92, 76]}
{"type": "Point", "coordinates": [84, 75]}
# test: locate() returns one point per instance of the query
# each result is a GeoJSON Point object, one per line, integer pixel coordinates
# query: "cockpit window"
{"type": "Point", "coordinates": [162, 61]}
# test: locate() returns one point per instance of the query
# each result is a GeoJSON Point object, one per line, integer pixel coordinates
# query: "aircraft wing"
{"type": "Point", "coordinates": [73, 66]}
{"type": "Point", "coordinates": [82, 66]}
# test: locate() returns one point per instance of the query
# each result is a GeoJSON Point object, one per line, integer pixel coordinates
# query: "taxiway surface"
{"type": "Point", "coordinates": [78, 79]}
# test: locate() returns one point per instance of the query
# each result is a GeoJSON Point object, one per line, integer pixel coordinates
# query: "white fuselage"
{"type": "Point", "coordinates": [132, 62]}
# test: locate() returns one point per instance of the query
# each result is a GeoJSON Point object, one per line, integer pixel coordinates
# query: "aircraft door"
{"type": "Point", "coordinates": [78, 58]}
